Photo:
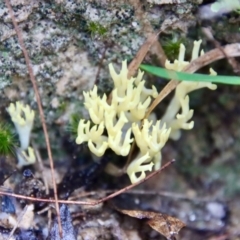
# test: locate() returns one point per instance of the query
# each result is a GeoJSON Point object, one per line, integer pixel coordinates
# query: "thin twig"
{"type": "Point", "coordinates": [175, 196]}
{"type": "Point", "coordinates": [96, 202]}
{"type": "Point", "coordinates": [135, 63]}
{"type": "Point", "coordinates": [232, 61]}
{"type": "Point", "coordinates": [34, 84]}
{"type": "Point", "coordinates": [135, 184]}
{"type": "Point", "coordinates": [164, 93]}
{"type": "Point", "coordinates": [230, 50]}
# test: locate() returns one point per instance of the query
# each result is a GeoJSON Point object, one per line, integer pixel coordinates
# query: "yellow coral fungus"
{"type": "Point", "coordinates": [130, 100]}
{"type": "Point", "coordinates": [122, 117]}
{"type": "Point", "coordinates": [172, 118]}
{"type": "Point", "coordinates": [23, 117]}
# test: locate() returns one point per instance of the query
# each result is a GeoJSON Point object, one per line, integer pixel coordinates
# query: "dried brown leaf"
{"type": "Point", "coordinates": [167, 225]}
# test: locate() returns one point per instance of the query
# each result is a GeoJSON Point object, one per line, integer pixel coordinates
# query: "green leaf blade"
{"type": "Point", "coordinates": [182, 76]}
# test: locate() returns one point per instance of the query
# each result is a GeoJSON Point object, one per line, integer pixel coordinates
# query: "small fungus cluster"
{"type": "Point", "coordinates": [116, 123]}
{"type": "Point", "coordinates": [23, 117]}
{"type": "Point", "coordinates": [172, 118]}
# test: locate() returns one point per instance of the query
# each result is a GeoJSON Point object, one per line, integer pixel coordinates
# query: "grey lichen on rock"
{"type": "Point", "coordinates": [68, 42]}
